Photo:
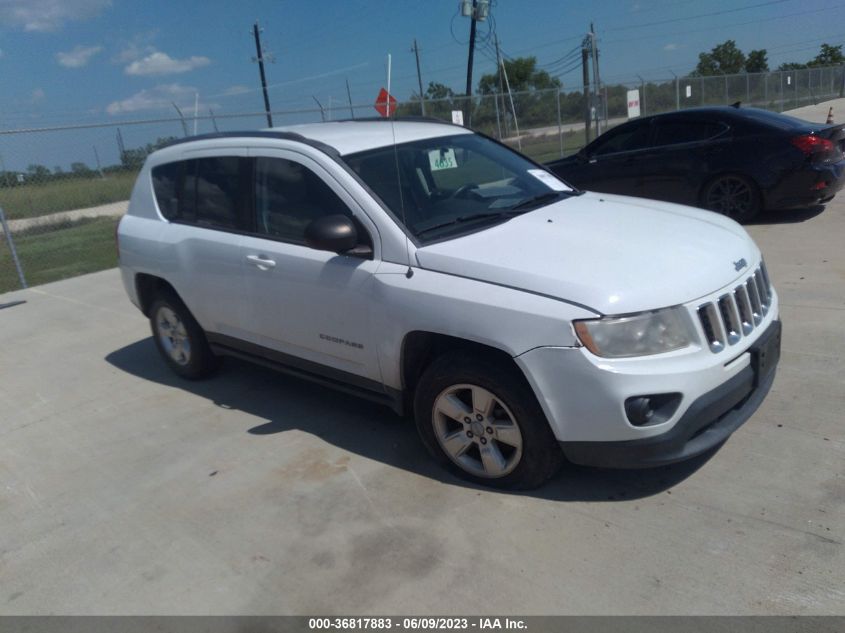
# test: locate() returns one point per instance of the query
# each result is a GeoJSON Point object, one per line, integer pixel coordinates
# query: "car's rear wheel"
{"type": "Point", "coordinates": [480, 419]}
{"type": "Point", "coordinates": [180, 339]}
{"type": "Point", "coordinates": [732, 195]}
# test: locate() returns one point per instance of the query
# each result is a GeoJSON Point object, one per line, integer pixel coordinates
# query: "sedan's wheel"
{"type": "Point", "coordinates": [733, 196]}
{"type": "Point", "coordinates": [477, 431]}
{"type": "Point", "coordinates": [180, 339]}
{"type": "Point", "coordinates": [478, 416]}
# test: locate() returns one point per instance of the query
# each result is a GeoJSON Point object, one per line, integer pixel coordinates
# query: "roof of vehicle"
{"type": "Point", "coordinates": [346, 136]}
{"type": "Point", "coordinates": [766, 117]}
{"type": "Point", "coordinates": [352, 136]}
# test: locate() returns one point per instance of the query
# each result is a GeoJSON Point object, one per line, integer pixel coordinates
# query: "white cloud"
{"type": "Point", "coordinates": [47, 15]}
{"type": "Point", "coordinates": [235, 90]}
{"type": "Point", "coordinates": [161, 97]}
{"type": "Point", "coordinates": [670, 47]}
{"type": "Point", "coordinates": [77, 57]}
{"type": "Point", "coordinates": [140, 45]}
{"type": "Point", "coordinates": [37, 95]}
{"type": "Point", "coordinates": [159, 63]}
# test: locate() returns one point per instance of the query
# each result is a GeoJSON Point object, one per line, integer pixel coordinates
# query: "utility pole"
{"type": "Point", "coordinates": [121, 148]}
{"type": "Point", "coordinates": [349, 96]}
{"type": "Point", "coordinates": [259, 52]}
{"type": "Point", "coordinates": [596, 78]}
{"type": "Point", "coordinates": [181, 118]}
{"type": "Point", "coordinates": [469, 61]}
{"type": "Point", "coordinates": [476, 11]}
{"type": "Point", "coordinates": [501, 84]}
{"type": "Point", "coordinates": [320, 105]}
{"type": "Point", "coordinates": [585, 73]}
{"type": "Point", "coordinates": [99, 166]}
{"type": "Point", "coordinates": [419, 77]}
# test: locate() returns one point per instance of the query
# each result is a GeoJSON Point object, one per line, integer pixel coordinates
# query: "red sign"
{"type": "Point", "coordinates": [385, 101]}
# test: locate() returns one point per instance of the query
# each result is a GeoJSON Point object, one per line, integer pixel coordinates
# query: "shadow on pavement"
{"type": "Point", "coordinates": [790, 216]}
{"type": "Point", "coordinates": [371, 430]}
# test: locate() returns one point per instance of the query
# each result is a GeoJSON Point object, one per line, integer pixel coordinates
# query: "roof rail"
{"type": "Point", "coordinates": [291, 136]}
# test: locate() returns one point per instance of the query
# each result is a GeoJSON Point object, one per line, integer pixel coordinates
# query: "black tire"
{"type": "Point", "coordinates": [197, 360]}
{"type": "Point", "coordinates": [732, 195]}
{"type": "Point", "coordinates": [460, 374]}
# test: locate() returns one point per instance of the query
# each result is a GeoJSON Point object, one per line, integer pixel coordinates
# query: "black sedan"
{"type": "Point", "coordinates": [733, 160]}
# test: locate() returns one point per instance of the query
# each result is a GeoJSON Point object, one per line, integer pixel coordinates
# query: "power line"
{"type": "Point", "coordinates": [695, 17]}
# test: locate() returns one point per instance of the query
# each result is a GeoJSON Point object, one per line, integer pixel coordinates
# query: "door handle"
{"type": "Point", "coordinates": [262, 262]}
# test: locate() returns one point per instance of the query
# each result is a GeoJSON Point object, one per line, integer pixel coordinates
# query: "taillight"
{"type": "Point", "coordinates": [811, 144]}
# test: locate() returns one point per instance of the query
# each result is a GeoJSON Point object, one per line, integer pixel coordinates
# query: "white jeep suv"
{"type": "Point", "coordinates": [435, 270]}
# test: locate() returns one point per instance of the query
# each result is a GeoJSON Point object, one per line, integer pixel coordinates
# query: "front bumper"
{"type": "Point", "coordinates": [583, 396]}
{"type": "Point", "coordinates": [708, 422]}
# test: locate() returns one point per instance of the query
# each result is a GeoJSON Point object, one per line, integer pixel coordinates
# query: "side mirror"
{"type": "Point", "coordinates": [336, 233]}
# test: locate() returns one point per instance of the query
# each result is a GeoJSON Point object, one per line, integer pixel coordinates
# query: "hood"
{"type": "Point", "coordinates": [613, 254]}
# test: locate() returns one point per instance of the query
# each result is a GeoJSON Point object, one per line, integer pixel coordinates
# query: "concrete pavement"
{"type": "Point", "coordinates": [124, 490]}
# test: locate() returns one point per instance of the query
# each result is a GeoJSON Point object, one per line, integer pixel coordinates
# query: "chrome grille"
{"type": "Point", "coordinates": [737, 313]}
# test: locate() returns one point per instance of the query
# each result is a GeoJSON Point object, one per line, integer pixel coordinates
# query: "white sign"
{"type": "Point", "coordinates": [442, 159]}
{"type": "Point", "coordinates": [549, 180]}
{"type": "Point", "coordinates": [458, 117]}
{"type": "Point", "coordinates": [788, 80]}
{"type": "Point", "coordinates": [20, 178]}
{"type": "Point", "coordinates": [689, 91]}
{"type": "Point", "coordinates": [633, 104]}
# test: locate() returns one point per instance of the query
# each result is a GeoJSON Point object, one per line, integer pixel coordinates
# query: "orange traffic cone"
{"type": "Point", "coordinates": [829, 116]}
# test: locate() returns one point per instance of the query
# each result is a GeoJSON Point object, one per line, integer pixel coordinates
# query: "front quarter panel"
{"type": "Point", "coordinates": [508, 319]}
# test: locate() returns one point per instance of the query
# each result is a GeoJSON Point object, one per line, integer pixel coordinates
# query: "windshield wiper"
{"type": "Point", "coordinates": [469, 218]}
{"type": "Point", "coordinates": [538, 199]}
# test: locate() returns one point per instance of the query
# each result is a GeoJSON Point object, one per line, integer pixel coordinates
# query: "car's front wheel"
{"type": "Point", "coordinates": [480, 419]}
{"type": "Point", "coordinates": [180, 339]}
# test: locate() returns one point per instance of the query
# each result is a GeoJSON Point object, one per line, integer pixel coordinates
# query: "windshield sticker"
{"type": "Point", "coordinates": [550, 181]}
{"type": "Point", "coordinates": [443, 158]}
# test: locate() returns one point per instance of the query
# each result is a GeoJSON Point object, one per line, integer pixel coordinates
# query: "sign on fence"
{"type": "Point", "coordinates": [458, 117]}
{"type": "Point", "coordinates": [633, 104]}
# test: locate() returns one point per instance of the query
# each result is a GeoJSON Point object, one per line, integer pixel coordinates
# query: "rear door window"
{"type": "Point", "coordinates": [220, 195]}
{"type": "Point", "coordinates": [677, 132]}
{"type": "Point", "coordinates": [210, 192]}
{"type": "Point", "coordinates": [167, 184]}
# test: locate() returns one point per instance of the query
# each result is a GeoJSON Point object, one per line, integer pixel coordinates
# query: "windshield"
{"type": "Point", "coordinates": [454, 184]}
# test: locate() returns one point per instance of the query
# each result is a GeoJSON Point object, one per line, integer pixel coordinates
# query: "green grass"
{"type": "Point", "coordinates": [27, 201]}
{"type": "Point", "coordinates": [83, 247]}
{"type": "Point", "coordinates": [546, 148]}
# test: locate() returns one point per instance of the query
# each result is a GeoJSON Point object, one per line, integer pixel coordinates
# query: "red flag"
{"type": "Point", "coordinates": [383, 100]}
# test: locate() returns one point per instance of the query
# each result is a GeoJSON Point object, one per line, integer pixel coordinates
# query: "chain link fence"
{"type": "Point", "coordinates": [63, 189]}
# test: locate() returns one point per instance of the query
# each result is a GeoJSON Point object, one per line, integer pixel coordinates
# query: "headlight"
{"type": "Point", "coordinates": [638, 334]}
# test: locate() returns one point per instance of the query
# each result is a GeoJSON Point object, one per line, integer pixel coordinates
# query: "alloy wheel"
{"type": "Point", "coordinates": [477, 431]}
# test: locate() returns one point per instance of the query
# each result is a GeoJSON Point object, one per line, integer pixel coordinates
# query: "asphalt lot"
{"type": "Point", "coordinates": [126, 490]}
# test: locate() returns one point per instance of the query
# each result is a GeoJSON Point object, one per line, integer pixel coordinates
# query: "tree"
{"type": "Point", "coordinates": [37, 172]}
{"type": "Point", "coordinates": [828, 56]}
{"type": "Point", "coordinates": [523, 75]}
{"type": "Point", "coordinates": [791, 66]}
{"type": "Point", "coordinates": [723, 59]}
{"type": "Point", "coordinates": [757, 62]}
{"type": "Point", "coordinates": [80, 169]}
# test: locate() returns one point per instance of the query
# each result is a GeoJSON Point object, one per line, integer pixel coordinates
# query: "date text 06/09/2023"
{"type": "Point", "coordinates": [416, 623]}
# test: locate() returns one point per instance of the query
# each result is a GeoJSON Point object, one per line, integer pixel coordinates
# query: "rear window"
{"type": "Point", "coordinates": [680, 131]}
{"type": "Point", "coordinates": [166, 184]}
{"type": "Point", "coordinates": [780, 121]}
{"type": "Point", "coordinates": [205, 191]}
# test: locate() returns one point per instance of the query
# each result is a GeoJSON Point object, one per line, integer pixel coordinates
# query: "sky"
{"type": "Point", "coordinates": [88, 61]}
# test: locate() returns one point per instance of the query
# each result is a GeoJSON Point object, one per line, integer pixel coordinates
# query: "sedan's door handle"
{"type": "Point", "coordinates": [261, 262]}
